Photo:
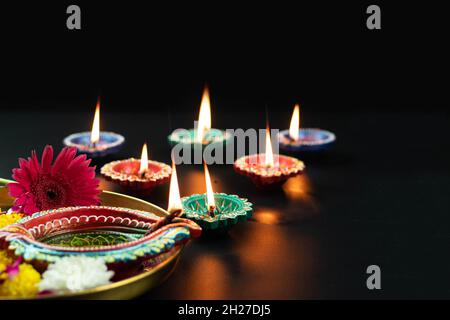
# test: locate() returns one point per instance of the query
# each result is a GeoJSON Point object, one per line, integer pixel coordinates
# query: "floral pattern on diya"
{"type": "Point", "coordinates": [187, 137]}
{"type": "Point", "coordinates": [230, 209]}
{"type": "Point", "coordinates": [114, 234]}
{"type": "Point", "coordinates": [253, 167]}
{"type": "Point", "coordinates": [310, 139]}
{"type": "Point", "coordinates": [126, 173]}
{"type": "Point", "coordinates": [109, 143]}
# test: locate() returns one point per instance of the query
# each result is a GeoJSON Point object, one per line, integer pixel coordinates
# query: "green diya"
{"type": "Point", "coordinates": [203, 134]}
{"type": "Point", "coordinates": [215, 211]}
{"type": "Point", "coordinates": [227, 211]}
{"type": "Point", "coordinates": [189, 137]}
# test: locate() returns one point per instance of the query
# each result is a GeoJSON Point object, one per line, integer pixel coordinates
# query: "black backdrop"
{"type": "Point", "coordinates": [382, 192]}
{"type": "Point", "coordinates": [158, 56]}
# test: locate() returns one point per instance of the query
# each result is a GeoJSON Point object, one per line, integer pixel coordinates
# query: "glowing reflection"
{"type": "Point", "coordinates": [274, 259]}
{"type": "Point", "coordinates": [267, 216]}
{"type": "Point", "coordinates": [300, 189]}
{"type": "Point", "coordinates": [208, 279]}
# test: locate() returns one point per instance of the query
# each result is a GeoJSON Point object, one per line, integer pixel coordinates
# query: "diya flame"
{"type": "Point", "coordinates": [144, 160]}
{"type": "Point", "coordinates": [295, 123]}
{"type": "Point", "coordinates": [268, 158]}
{"type": "Point", "coordinates": [95, 133]}
{"type": "Point", "coordinates": [174, 192]}
{"type": "Point", "coordinates": [204, 117]}
{"type": "Point", "coordinates": [210, 202]}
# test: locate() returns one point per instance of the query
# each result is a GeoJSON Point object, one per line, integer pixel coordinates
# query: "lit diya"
{"type": "Point", "coordinates": [216, 211]}
{"type": "Point", "coordinates": [298, 139]}
{"type": "Point", "coordinates": [267, 169]}
{"type": "Point", "coordinates": [126, 239]}
{"type": "Point", "coordinates": [95, 143]}
{"type": "Point", "coordinates": [135, 174]}
{"type": "Point", "coordinates": [119, 235]}
{"type": "Point", "coordinates": [203, 135]}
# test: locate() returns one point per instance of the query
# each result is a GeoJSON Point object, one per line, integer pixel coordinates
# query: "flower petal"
{"type": "Point", "coordinates": [15, 189]}
{"type": "Point", "coordinates": [47, 158]}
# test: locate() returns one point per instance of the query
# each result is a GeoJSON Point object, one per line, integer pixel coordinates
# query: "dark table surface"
{"type": "Point", "coordinates": [381, 196]}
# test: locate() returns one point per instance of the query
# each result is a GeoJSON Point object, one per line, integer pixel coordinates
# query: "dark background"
{"type": "Point", "coordinates": [156, 56]}
{"type": "Point", "coordinates": [379, 197]}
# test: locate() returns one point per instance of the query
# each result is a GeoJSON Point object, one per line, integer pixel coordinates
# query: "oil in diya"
{"type": "Point", "coordinates": [216, 211]}
{"type": "Point", "coordinates": [96, 143]}
{"type": "Point", "coordinates": [135, 174]}
{"type": "Point", "coordinates": [203, 134]}
{"type": "Point", "coordinates": [298, 139]}
{"type": "Point", "coordinates": [268, 169]}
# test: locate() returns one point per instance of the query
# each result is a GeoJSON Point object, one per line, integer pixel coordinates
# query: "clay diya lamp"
{"type": "Point", "coordinates": [216, 212]}
{"type": "Point", "coordinates": [96, 143]}
{"type": "Point", "coordinates": [124, 238]}
{"type": "Point", "coordinates": [202, 135]}
{"type": "Point", "coordinates": [268, 170]}
{"type": "Point", "coordinates": [298, 139]}
{"type": "Point", "coordinates": [135, 174]}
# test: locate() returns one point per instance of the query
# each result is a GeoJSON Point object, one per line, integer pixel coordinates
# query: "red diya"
{"type": "Point", "coordinates": [137, 174]}
{"type": "Point", "coordinates": [267, 169]}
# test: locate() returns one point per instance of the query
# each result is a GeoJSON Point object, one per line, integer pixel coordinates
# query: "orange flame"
{"type": "Point", "coordinates": [269, 153]}
{"type": "Point", "coordinates": [295, 123]}
{"type": "Point", "coordinates": [209, 190]}
{"type": "Point", "coordinates": [174, 192]}
{"type": "Point", "coordinates": [144, 160]}
{"type": "Point", "coordinates": [95, 133]}
{"type": "Point", "coordinates": [204, 116]}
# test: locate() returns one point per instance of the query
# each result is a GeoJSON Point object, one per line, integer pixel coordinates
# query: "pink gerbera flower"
{"type": "Point", "coordinates": [70, 181]}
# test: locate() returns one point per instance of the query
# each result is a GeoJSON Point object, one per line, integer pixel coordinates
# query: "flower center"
{"type": "Point", "coordinates": [50, 192]}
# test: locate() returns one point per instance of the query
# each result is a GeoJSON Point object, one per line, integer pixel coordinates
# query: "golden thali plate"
{"type": "Point", "coordinates": [131, 287]}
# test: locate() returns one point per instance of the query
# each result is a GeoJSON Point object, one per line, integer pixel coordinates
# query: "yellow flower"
{"type": "Point", "coordinates": [5, 260]}
{"type": "Point", "coordinates": [24, 284]}
{"type": "Point", "coordinates": [7, 219]}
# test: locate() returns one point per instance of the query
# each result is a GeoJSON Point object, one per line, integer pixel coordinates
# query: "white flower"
{"type": "Point", "coordinates": [75, 273]}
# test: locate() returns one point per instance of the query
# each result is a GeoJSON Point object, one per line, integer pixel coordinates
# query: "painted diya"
{"type": "Point", "coordinates": [189, 137]}
{"type": "Point", "coordinates": [227, 210]}
{"type": "Point", "coordinates": [216, 211]}
{"type": "Point", "coordinates": [135, 174]}
{"type": "Point", "coordinates": [267, 173]}
{"type": "Point", "coordinates": [268, 169]}
{"type": "Point", "coordinates": [298, 139]}
{"type": "Point", "coordinates": [95, 143]}
{"type": "Point", "coordinates": [108, 143]}
{"type": "Point", "coordinates": [203, 134]}
{"type": "Point", "coordinates": [122, 237]}
{"type": "Point", "coordinates": [309, 139]}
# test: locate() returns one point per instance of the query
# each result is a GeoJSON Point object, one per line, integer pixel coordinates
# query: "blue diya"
{"type": "Point", "coordinates": [227, 211]}
{"type": "Point", "coordinates": [309, 139]}
{"type": "Point", "coordinates": [298, 139]}
{"type": "Point", "coordinates": [96, 143]}
{"type": "Point", "coordinates": [108, 143]}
